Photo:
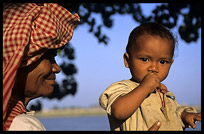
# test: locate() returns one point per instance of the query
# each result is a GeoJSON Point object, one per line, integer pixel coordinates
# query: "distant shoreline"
{"type": "Point", "coordinates": [77, 112]}
{"type": "Point", "coordinates": [71, 112]}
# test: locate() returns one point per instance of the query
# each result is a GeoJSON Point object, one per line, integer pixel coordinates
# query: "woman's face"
{"type": "Point", "coordinates": [38, 79]}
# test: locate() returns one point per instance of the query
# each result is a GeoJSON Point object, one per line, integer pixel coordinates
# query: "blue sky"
{"type": "Point", "coordinates": [99, 65]}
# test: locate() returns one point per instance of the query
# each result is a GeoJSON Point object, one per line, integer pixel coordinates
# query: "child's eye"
{"type": "Point", "coordinates": [144, 59]}
{"type": "Point", "coordinates": [163, 62]}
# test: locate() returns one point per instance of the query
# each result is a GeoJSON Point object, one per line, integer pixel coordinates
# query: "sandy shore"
{"type": "Point", "coordinates": [71, 112]}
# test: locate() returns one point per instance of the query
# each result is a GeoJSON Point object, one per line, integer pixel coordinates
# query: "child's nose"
{"type": "Point", "coordinates": [153, 68]}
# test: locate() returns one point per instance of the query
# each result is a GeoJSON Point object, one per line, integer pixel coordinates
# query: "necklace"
{"type": "Point", "coordinates": [163, 108]}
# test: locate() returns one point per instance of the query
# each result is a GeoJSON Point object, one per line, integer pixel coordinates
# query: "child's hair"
{"type": "Point", "coordinates": [150, 28]}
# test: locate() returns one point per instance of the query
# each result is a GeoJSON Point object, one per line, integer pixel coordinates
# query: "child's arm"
{"type": "Point", "coordinates": [126, 105]}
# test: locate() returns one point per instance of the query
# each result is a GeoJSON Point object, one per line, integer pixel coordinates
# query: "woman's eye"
{"type": "Point", "coordinates": [144, 59]}
{"type": "Point", "coordinates": [50, 57]}
{"type": "Point", "coordinates": [163, 61]}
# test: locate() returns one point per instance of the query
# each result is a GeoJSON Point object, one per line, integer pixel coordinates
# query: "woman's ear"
{"type": "Point", "coordinates": [126, 59]}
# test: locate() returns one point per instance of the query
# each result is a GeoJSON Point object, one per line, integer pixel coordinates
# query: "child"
{"type": "Point", "coordinates": [138, 103]}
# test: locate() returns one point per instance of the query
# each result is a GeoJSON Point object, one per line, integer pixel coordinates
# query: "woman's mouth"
{"type": "Point", "coordinates": [50, 81]}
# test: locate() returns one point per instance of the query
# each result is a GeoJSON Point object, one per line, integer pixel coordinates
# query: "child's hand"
{"type": "Point", "coordinates": [190, 118]}
{"type": "Point", "coordinates": [151, 82]}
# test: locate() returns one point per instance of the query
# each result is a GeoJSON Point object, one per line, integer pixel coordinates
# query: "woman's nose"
{"type": "Point", "coordinates": [153, 68]}
{"type": "Point", "coordinates": [55, 68]}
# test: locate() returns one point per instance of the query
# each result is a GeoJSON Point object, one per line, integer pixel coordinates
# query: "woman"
{"type": "Point", "coordinates": [32, 33]}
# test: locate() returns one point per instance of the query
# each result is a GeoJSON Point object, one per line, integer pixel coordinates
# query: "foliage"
{"type": "Point", "coordinates": [166, 14]}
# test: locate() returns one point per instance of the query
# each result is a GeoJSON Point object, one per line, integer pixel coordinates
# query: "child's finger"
{"type": "Point", "coordinates": [192, 124]}
{"type": "Point", "coordinates": [155, 126]}
{"type": "Point", "coordinates": [197, 117]}
{"type": "Point", "coordinates": [199, 114]}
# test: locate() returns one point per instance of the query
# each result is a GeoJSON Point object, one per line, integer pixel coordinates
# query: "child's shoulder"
{"type": "Point", "coordinates": [124, 83]}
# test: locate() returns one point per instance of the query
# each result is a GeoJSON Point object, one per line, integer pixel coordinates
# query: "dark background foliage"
{"type": "Point", "coordinates": [166, 14]}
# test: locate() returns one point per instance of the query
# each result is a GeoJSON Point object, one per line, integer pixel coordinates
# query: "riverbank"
{"type": "Point", "coordinates": [73, 112]}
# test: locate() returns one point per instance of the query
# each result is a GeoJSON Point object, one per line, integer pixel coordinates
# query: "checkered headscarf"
{"type": "Point", "coordinates": [29, 29]}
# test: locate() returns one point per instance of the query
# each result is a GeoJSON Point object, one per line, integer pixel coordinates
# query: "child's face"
{"type": "Point", "coordinates": [149, 54]}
